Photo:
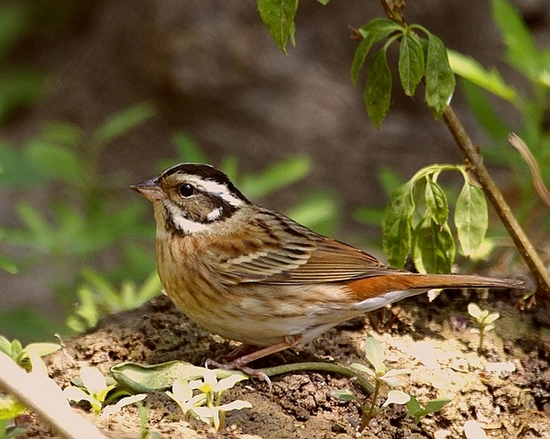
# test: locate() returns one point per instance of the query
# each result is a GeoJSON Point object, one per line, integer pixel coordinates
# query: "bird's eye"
{"type": "Point", "coordinates": [186, 190]}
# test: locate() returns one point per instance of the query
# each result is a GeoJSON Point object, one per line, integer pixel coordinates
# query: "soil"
{"type": "Point", "coordinates": [506, 389]}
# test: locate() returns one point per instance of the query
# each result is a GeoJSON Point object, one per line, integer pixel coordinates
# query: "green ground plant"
{"type": "Point", "coordinates": [143, 421]}
{"type": "Point", "coordinates": [87, 213]}
{"type": "Point", "coordinates": [485, 320]}
{"type": "Point", "coordinates": [382, 376]}
{"type": "Point", "coordinates": [417, 412]}
{"type": "Point", "coordinates": [22, 355]}
{"type": "Point", "coordinates": [99, 392]}
{"type": "Point", "coordinates": [202, 398]}
{"type": "Point", "coordinates": [81, 209]}
{"type": "Point", "coordinates": [7, 432]}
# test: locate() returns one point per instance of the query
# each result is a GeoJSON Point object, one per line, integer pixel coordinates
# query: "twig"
{"type": "Point", "coordinates": [522, 243]}
{"type": "Point", "coordinates": [531, 161]}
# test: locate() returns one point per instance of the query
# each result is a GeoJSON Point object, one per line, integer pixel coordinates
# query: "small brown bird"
{"type": "Point", "coordinates": [253, 275]}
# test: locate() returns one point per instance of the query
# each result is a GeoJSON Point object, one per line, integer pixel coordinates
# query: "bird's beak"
{"type": "Point", "coordinates": [150, 190]}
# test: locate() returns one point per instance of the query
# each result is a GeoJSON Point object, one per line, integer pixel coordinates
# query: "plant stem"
{"type": "Point", "coordinates": [522, 243]}
{"type": "Point", "coordinates": [392, 10]}
{"type": "Point", "coordinates": [370, 414]}
{"type": "Point", "coordinates": [321, 367]}
{"type": "Point", "coordinates": [481, 334]}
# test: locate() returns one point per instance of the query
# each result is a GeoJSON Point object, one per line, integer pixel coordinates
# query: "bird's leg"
{"type": "Point", "coordinates": [241, 362]}
{"type": "Point", "coordinates": [240, 351]}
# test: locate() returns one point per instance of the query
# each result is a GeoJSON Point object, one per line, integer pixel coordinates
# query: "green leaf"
{"type": "Point", "coordinates": [17, 353]}
{"type": "Point", "coordinates": [411, 63]}
{"type": "Point", "coordinates": [235, 405]}
{"type": "Point", "coordinates": [149, 289]}
{"type": "Point", "coordinates": [277, 176]}
{"type": "Point", "coordinates": [436, 404]}
{"type": "Point", "coordinates": [434, 247]}
{"type": "Point", "coordinates": [374, 31]}
{"type": "Point", "coordinates": [371, 216]}
{"type": "Point", "coordinates": [362, 368]}
{"type": "Point", "coordinates": [27, 325]}
{"type": "Point", "coordinates": [278, 16]}
{"type": "Point", "coordinates": [86, 315]}
{"type": "Point", "coordinates": [485, 113]}
{"type": "Point", "coordinates": [521, 51]}
{"type": "Point", "coordinates": [490, 80]}
{"type": "Point", "coordinates": [471, 218]}
{"type": "Point", "coordinates": [5, 346]}
{"type": "Point", "coordinates": [475, 311]}
{"type": "Point", "coordinates": [390, 377]}
{"type": "Point", "coordinates": [7, 265]}
{"type": "Point", "coordinates": [42, 349]}
{"type": "Point", "coordinates": [396, 397]}
{"type": "Point", "coordinates": [108, 411]}
{"type": "Point", "coordinates": [491, 318]}
{"type": "Point", "coordinates": [375, 355]}
{"type": "Point", "coordinates": [102, 285]}
{"type": "Point", "coordinates": [11, 432]}
{"type": "Point", "coordinates": [440, 80]}
{"type": "Point", "coordinates": [377, 94]}
{"type": "Point", "coordinates": [230, 165]}
{"type": "Point", "coordinates": [123, 122]}
{"type": "Point", "coordinates": [390, 179]}
{"type": "Point", "coordinates": [188, 149]}
{"type": "Point", "coordinates": [319, 211]}
{"type": "Point", "coordinates": [17, 172]}
{"type": "Point", "coordinates": [56, 162]}
{"type": "Point", "coordinates": [418, 194]}
{"type": "Point", "coordinates": [323, 2]}
{"type": "Point", "coordinates": [10, 407]}
{"type": "Point", "coordinates": [147, 378]}
{"type": "Point", "coordinates": [436, 202]}
{"type": "Point", "coordinates": [343, 395]}
{"type": "Point", "coordinates": [19, 87]}
{"type": "Point", "coordinates": [64, 133]}
{"type": "Point", "coordinates": [413, 406]}
{"type": "Point", "coordinates": [397, 226]}
{"type": "Point", "coordinates": [36, 224]}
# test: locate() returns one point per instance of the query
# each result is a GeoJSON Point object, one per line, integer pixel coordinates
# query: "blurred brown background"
{"type": "Point", "coordinates": [212, 70]}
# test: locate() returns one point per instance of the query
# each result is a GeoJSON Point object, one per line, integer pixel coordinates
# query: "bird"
{"type": "Point", "coordinates": [253, 275]}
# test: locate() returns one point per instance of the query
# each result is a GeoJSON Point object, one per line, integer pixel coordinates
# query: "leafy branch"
{"type": "Point", "coordinates": [425, 233]}
{"type": "Point", "coordinates": [521, 241]}
{"type": "Point", "coordinates": [422, 57]}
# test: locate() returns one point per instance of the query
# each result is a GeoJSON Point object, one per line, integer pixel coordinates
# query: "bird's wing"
{"type": "Point", "coordinates": [334, 261]}
{"type": "Point", "coordinates": [302, 257]}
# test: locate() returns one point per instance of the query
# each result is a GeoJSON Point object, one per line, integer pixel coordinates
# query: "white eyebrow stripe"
{"type": "Point", "coordinates": [218, 189]}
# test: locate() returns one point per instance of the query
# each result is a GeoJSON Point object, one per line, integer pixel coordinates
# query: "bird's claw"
{"type": "Point", "coordinates": [236, 364]}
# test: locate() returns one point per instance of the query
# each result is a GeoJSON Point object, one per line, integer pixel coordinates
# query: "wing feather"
{"type": "Point", "coordinates": [305, 257]}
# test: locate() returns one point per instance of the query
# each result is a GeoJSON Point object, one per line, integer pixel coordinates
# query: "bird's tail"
{"type": "Point", "coordinates": [373, 292]}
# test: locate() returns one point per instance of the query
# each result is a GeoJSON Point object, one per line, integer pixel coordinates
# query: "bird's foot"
{"type": "Point", "coordinates": [236, 353]}
{"type": "Point", "coordinates": [238, 365]}
{"type": "Point", "coordinates": [242, 362]}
